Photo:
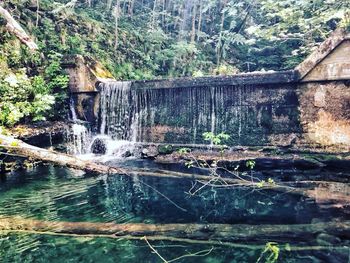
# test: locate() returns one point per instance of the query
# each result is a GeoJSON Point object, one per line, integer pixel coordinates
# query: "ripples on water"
{"type": "Point", "coordinates": [59, 194]}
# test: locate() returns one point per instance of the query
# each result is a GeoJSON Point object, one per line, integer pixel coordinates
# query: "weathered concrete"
{"type": "Point", "coordinates": [325, 49]}
{"type": "Point", "coordinates": [325, 112]}
{"type": "Point", "coordinates": [87, 106]}
{"type": "Point", "coordinates": [84, 73]}
{"type": "Point", "coordinates": [306, 106]}
{"type": "Point", "coordinates": [252, 78]}
{"type": "Point", "coordinates": [336, 66]}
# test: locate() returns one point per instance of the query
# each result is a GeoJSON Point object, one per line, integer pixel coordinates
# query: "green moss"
{"type": "Point", "coordinates": [165, 149]}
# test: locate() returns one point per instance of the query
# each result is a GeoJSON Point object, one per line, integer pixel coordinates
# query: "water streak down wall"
{"type": "Point", "coordinates": [252, 114]}
{"type": "Point", "coordinates": [308, 105]}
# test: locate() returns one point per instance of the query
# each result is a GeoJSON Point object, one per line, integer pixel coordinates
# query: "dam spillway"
{"type": "Point", "coordinates": [251, 113]}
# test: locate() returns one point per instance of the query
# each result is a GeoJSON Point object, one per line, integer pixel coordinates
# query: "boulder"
{"type": "Point", "coordinates": [99, 146]}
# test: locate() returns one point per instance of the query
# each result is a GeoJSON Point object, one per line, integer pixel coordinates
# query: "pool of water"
{"type": "Point", "coordinates": [54, 194]}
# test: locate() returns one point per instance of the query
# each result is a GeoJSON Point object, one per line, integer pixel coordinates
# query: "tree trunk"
{"type": "Point", "coordinates": [194, 14]}
{"type": "Point", "coordinates": [109, 5]}
{"type": "Point", "coordinates": [131, 8]}
{"type": "Point", "coordinates": [218, 232]}
{"type": "Point", "coordinates": [199, 20]}
{"type": "Point", "coordinates": [219, 43]}
{"type": "Point", "coordinates": [15, 28]}
{"type": "Point", "coordinates": [37, 12]}
{"type": "Point", "coordinates": [116, 13]}
{"type": "Point", "coordinates": [163, 14]}
{"type": "Point", "coordinates": [154, 13]}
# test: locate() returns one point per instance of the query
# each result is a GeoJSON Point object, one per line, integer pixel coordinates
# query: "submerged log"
{"type": "Point", "coordinates": [15, 28]}
{"type": "Point", "coordinates": [218, 232]}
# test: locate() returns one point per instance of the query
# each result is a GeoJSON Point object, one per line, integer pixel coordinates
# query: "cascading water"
{"type": "Point", "coordinates": [78, 134]}
{"type": "Point", "coordinates": [174, 115]}
{"type": "Point", "coordinates": [118, 123]}
{"type": "Point", "coordinates": [136, 113]}
{"type": "Point", "coordinates": [79, 137]}
{"type": "Point", "coordinates": [116, 114]}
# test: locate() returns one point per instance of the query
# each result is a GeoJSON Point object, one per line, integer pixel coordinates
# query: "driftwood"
{"type": "Point", "coordinates": [218, 232]}
{"type": "Point", "coordinates": [15, 28]}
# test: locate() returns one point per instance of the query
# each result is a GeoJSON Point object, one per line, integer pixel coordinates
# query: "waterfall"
{"type": "Point", "coordinates": [135, 113]}
{"type": "Point", "coordinates": [171, 115]}
{"type": "Point", "coordinates": [78, 134]}
{"type": "Point", "coordinates": [118, 120]}
{"type": "Point", "coordinates": [116, 110]}
{"type": "Point", "coordinates": [72, 109]}
{"type": "Point", "coordinates": [79, 137]}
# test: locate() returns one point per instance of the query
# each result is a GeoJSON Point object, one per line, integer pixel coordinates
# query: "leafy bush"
{"type": "Point", "coordinates": [216, 139]}
{"type": "Point", "coordinates": [25, 97]}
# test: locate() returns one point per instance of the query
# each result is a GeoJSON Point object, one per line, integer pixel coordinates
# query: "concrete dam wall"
{"type": "Point", "coordinates": [309, 105]}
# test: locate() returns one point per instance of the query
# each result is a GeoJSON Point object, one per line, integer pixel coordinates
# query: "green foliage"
{"type": "Point", "coordinates": [216, 139]}
{"type": "Point", "coordinates": [270, 254]}
{"type": "Point", "coordinates": [158, 41]}
{"type": "Point", "coordinates": [189, 164]}
{"type": "Point", "coordinates": [250, 164]}
{"type": "Point", "coordinates": [41, 105]}
{"type": "Point", "coordinates": [345, 23]}
{"type": "Point", "coordinates": [14, 143]}
{"type": "Point", "coordinates": [270, 182]}
{"type": "Point", "coordinates": [165, 149]}
{"type": "Point", "coordinates": [30, 94]}
{"type": "Point", "coordinates": [225, 69]}
{"type": "Point", "coordinates": [183, 150]}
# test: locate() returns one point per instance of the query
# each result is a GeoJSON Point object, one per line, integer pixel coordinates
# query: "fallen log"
{"type": "Point", "coordinates": [309, 189]}
{"type": "Point", "coordinates": [21, 148]}
{"type": "Point", "coordinates": [15, 28]}
{"type": "Point", "coordinates": [213, 232]}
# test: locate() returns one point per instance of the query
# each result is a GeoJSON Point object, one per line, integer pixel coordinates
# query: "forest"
{"type": "Point", "coordinates": [175, 131]}
{"type": "Point", "coordinates": [153, 39]}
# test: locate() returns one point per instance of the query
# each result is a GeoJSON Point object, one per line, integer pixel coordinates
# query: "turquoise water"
{"type": "Point", "coordinates": [58, 194]}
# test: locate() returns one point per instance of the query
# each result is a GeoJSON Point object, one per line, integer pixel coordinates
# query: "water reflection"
{"type": "Point", "coordinates": [59, 194]}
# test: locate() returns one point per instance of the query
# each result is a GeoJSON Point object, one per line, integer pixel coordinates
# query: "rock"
{"type": "Point", "coordinates": [144, 151]}
{"type": "Point", "coordinates": [41, 134]}
{"type": "Point", "coordinates": [150, 152]}
{"type": "Point", "coordinates": [2, 167]}
{"type": "Point", "coordinates": [165, 149]}
{"type": "Point", "coordinates": [127, 154]}
{"type": "Point", "coordinates": [99, 146]}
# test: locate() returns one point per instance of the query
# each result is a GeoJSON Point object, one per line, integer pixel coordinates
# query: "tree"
{"type": "Point", "coordinates": [15, 28]}
{"type": "Point", "coordinates": [116, 14]}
